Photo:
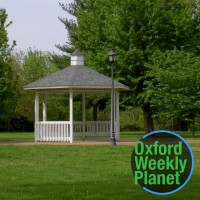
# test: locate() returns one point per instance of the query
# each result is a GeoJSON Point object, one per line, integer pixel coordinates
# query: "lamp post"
{"type": "Point", "coordinates": [112, 58]}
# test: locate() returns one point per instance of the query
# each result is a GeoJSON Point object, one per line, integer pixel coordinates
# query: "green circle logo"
{"type": "Point", "coordinates": [162, 162]}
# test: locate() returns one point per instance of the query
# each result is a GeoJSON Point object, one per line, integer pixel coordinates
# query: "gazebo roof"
{"type": "Point", "coordinates": [77, 77]}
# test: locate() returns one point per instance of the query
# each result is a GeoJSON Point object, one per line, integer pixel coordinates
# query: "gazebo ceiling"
{"type": "Point", "coordinates": [77, 77]}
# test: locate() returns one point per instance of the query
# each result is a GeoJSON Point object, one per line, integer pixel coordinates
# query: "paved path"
{"type": "Point", "coordinates": [86, 143]}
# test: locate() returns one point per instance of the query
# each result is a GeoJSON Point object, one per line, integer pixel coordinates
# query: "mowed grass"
{"type": "Point", "coordinates": [58, 172]}
{"type": "Point", "coordinates": [132, 136]}
{"type": "Point", "coordinates": [16, 136]}
{"type": "Point", "coordinates": [194, 144]}
{"type": "Point", "coordinates": [138, 134]}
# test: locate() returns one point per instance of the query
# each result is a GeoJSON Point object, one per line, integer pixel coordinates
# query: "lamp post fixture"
{"type": "Point", "coordinates": [112, 58]}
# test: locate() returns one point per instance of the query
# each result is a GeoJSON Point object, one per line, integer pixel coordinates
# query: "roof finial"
{"type": "Point", "coordinates": [77, 58]}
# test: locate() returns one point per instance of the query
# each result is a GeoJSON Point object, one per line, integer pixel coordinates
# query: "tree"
{"type": "Point", "coordinates": [7, 84]}
{"type": "Point", "coordinates": [175, 85]}
{"type": "Point", "coordinates": [35, 64]}
{"type": "Point", "coordinates": [136, 29]}
{"type": "Point", "coordinates": [150, 26]}
{"type": "Point", "coordinates": [60, 61]}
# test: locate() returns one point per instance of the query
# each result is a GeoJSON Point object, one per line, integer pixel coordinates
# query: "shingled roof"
{"type": "Point", "coordinates": [78, 76]}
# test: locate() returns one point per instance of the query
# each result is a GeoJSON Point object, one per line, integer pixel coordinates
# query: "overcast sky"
{"type": "Point", "coordinates": [36, 23]}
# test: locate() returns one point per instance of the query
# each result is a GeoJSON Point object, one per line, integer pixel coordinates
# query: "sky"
{"type": "Point", "coordinates": [36, 23]}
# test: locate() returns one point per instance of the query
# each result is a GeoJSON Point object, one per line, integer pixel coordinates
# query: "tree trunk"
{"type": "Point", "coordinates": [148, 119]}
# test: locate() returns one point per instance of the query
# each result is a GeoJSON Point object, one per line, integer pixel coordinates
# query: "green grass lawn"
{"type": "Point", "coordinates": [76, 172]}
{"type": "Point", "coordinates": [138, 134]}
{"type": "Point", "coordinates": [194, 144]}
{"type": "Point", "coordinates": [28, 136]}
{"type": "Point", "coordinates": [16, 136]}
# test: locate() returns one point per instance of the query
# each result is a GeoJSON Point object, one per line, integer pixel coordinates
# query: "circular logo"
{"type": "Point", "coordinates": [162, 162]}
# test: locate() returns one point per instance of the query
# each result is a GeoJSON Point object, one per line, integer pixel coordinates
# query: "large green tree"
{"type": "Point", "coordinates": [7, 83]}
{"type": "Point", "coordinates": [175, 85]}
{"type": "Point", "coordinates": [136, 29]}
{"type": "Point", "coordinates": [34, 65]}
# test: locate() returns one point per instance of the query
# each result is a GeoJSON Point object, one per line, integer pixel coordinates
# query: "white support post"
{"type": "Point", "coordinates": [36, 115]}
{"type": "Point", "coordinates": [44, 107]}
{"type": "Point", "coordinates": [37, 107]}
{"type": "Point", "coordinates": [71, 114]}
{"type": "Point", "coordinates": [117, 123]}
{"type": "Point", "coordinates": [83, 112]}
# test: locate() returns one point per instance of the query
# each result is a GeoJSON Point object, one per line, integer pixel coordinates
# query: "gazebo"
{"type": "Point", "coordinates": [75, 79]}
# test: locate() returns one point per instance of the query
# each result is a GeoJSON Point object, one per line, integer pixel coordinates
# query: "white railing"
{"type": "Point", "coordinates": [96, 130]}
{"type": "Point", "coordinates": [60, 130]}
{"type": "Point", "coordinates": [52, 131]}
{"type": "Point", "coordinates": [93, 127]}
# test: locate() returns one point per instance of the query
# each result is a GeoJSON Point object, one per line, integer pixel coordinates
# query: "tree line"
{"type": "Point", "coordinates": [158, 52]}
{"type": "Point", "coordinates": [157, 45]}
